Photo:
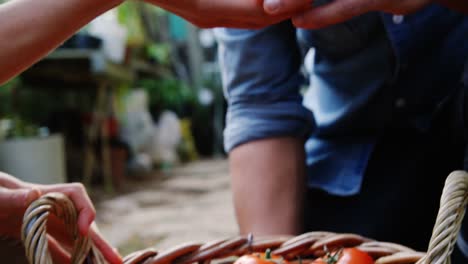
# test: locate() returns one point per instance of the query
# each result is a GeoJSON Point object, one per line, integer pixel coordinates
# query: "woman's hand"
{"type": "Point", "coordinates": [226, 13]}
{"type": "Point", "coordinates": [16, 196]}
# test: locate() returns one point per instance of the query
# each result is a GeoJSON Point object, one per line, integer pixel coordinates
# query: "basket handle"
{"type": "Point", "coordinates": [34, 230]}
{"type": "Point", "coordinates": [449, 219]}
{"type": "Point", "coordinates": [34, 233]}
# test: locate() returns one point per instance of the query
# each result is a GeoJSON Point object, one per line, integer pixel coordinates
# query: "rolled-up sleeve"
{"type": "Point", "coordinates": [261, 79]}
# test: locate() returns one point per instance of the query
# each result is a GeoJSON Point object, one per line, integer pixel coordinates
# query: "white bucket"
{"type": "Point", "coordinates": [36, 160]}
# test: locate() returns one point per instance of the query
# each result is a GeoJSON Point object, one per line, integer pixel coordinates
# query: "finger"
{"type": "Point", "coordinates": [17, 200]}
{"type": "Point", "coordinates": [405, 7]}
{"type": "Point", "coordinates": [242, 14]}
{"type": "Point", "coordinates": [332, 13]}
{"type": "Point", "coordinates": [239, 7]}
{"type": "Point", "coordinates": [59, 235]}
{"type": "Point", "coordinates": [275, 7]}
{"type": "Point", "coordinates": [58, 254]}
{"type": "Point", "coordinates": [226, 7]}
{"type": "Point", "coordinates": [10, 182]}
{"type": "Point", "coordinates": [109, 253]}
{"type": "Point", "coordinates": [461, 6]}
{"type": "Point", "coordinates": [78, 195]}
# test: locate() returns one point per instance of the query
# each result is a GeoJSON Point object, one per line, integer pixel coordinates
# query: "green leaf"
{"type": "Point", "coordinates": [159, 52]}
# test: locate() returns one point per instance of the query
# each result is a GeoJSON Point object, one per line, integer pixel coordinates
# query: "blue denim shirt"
{"type": "Point", "coordinates": [363, 71]}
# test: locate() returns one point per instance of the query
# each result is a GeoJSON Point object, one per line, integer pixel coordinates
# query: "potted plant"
{"type": "Point", "coordinates": [27, 150]}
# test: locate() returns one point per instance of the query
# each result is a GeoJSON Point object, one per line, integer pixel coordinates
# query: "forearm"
{"type": "Point", "coordinates": [30, 28]}
{"type": "Point", "coordinates": [268, 185]}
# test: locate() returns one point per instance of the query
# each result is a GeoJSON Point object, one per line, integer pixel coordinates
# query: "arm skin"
{"type": "Point", "coordinates": [268, 186]}
{"type": "Point", "coordinates": [29, 29]}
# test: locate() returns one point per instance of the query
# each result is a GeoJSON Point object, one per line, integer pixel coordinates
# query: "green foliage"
{"type": "Point", "coordinates": [170, 94]}
{"type": "Point", "coordinates": [128, 15]}
{"type": "Point", "coordinates": [24, 108]}
{"type": "Point", "coordinates": [22, 129]}
{"type": "Point", "coordinates": [34, 105]}
{"type": "Point", "coordinates": [159, 52]}
{"type": "Point", "coordinates": [186, 149]}
{"type": "Point", "coordinates": [6, 97]}
{"type": "Point", "coordinates": [19, 127]}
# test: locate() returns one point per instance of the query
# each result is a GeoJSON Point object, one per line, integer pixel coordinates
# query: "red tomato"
{"type": "Point", "coordinates": [261, 258]}
{"type": "Point", "coordinates": [346, 256]}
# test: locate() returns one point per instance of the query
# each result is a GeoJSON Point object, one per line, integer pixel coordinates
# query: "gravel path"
{"type": "Point", "coordinates": [192, 203]}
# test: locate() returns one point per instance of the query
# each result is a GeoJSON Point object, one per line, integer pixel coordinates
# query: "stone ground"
{"type": "Point", "coordinates": [190, 203]}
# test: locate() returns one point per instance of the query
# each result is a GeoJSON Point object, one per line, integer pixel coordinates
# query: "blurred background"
{"type": "Point", "coordinates": [131, 106]}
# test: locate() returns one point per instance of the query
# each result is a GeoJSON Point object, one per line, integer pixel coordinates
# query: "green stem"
{"type": "Point", "coordinates": [268, 254]}
{"type": "Point", "coordinates": [333, 259]}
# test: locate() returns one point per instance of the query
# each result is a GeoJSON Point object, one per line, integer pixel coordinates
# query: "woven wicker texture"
{"type": "Point", "coordinates": [307, 246]}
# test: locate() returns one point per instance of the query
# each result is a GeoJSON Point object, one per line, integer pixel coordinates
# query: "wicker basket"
{"type": "Point", "coordinates": [306, 246]}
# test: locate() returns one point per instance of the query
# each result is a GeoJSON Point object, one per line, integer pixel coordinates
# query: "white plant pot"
{"type": "Point", "coordinates": [37, 160]}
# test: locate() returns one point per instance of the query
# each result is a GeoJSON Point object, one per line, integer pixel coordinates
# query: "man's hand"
{"type": "Point", "coordinates": [16, 196]}
{"type": "Point", "coordinates": [460, 6]}
{"type": "Point", "coordinates": [337, 11]}
{"type": "Point", "coordinates": [226, 13]}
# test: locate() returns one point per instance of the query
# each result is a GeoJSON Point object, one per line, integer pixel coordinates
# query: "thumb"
{"type": "Point", "coordinates": [17, 199]}
{"type": "Point", "coordinates": [108, 252]}
{"type": "Point", "coordinates": [277, 7]}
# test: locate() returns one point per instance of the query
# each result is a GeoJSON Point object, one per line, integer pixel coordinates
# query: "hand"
{"type": "Point", "coordinates": [226, 13]}
{"type": "Point", "coordinates": [16, 196]}
{"type": "Point", "coordinates": [457, 5]}
{"type": "Point", "coordinates": [337, 11]}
